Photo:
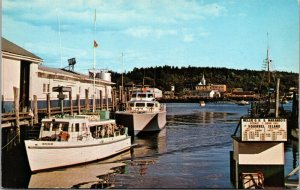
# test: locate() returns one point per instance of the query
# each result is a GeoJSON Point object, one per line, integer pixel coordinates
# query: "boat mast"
{"type": "Point", "coordinates": [268, 61]}
{"type": "Point", "coordinates": [58, 19]}
{"type": "Point", "coordinates": [94, 68]}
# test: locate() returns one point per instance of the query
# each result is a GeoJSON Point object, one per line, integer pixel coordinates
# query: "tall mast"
{"type": "Point", "coordinates": [122, 70]}
{"type": "Point", "coordinates": [58, 19]}
{"type": "Point", "coordinates": [94, 68]}
{"type": "Point", "coordinates": [268, 61]}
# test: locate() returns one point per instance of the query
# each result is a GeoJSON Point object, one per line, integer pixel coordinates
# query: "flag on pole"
{"type": "Point", "coordinates": [95, 44]}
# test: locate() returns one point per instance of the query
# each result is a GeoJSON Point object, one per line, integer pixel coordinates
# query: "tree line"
{"type": "Point", "coordinates": [163, 77]}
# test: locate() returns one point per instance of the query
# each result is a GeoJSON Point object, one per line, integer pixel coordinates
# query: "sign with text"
{"type": "Point", "coordinates": [261, 129]}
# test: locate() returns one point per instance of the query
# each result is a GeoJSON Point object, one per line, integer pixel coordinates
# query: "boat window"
{"type": "Point", "coordinates": [133, 96]}
{"type": "Point", "coordinates": [65, 126]}
{"type": "Point", "coordinates": [131, 104]}
{"type": "Point", "coordinates": [77, 127]}
{"type": "Point", "coordinates": [150, 104]}
{"type": "Point", "coordinates": [47, 126]}
{"type": "Point", "coordinates": [139, 104]}
{"type": "Point", "coordinates": [142, 95]}
{"type": "Point", "coordinates": [55, 126]}
{"type": "Point", "coordinates": [150, 95]}
{"type": "Point", "coordinates": [84, 128]}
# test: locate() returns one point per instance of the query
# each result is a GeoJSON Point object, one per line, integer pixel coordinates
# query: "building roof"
{"type": "Point", "coordinates": [72, 74]}
{"type": "Point", "coordinates": [10, 47]}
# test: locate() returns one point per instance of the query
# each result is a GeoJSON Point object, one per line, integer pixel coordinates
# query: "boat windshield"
{"type": "Point", "coordinates": [150, 104]}
{"type": "Point", "coordinates": [140, 105]}
{"type": "Point", "coordinates": [47, 126]}
{"type": "Point", "coordinates": [142, 95]}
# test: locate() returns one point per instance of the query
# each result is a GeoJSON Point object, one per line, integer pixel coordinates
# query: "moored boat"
{"type": "Point", "coordinates": [143, 114]}
{"type": "Point", "coordinates": [73, 140]}
{"type": "Point", "coordinates": [202, 103]}
{"type": "Point", "coordinates": [242, 103]}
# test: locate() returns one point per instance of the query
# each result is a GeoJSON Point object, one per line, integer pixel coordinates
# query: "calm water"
{"type": "Point", "coordinates": [191, 152]}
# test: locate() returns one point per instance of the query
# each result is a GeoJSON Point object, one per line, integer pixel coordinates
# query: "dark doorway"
{"type": "Point", "coordinates": [24, 85]}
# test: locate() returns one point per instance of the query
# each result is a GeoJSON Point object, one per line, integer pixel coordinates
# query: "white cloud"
{"type": "Point", "coordinates": [188, 38]}
{"type": "Point", "coordinates": [145, 31]}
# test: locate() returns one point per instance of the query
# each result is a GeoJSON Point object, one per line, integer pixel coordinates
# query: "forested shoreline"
{"type": "Point", "coordinates": [163, 77]}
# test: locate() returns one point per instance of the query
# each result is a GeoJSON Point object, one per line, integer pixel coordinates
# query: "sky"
{"type": "Point", "coordinates": [202, 33]}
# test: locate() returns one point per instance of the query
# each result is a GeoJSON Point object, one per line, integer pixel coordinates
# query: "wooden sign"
{"type": "Point", "coordinates": [262, 129]}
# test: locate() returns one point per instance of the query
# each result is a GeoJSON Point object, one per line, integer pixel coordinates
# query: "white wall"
{"type": "Point", "coordinates": [10, 77]}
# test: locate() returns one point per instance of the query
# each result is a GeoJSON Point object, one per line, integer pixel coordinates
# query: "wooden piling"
{"type": "Point", "coordinates": [78, 103]}
{"type": "Point", "coordinates": [35, 110]}
{"type": "Point", "coordinates": [101, 100]}
{"type": "Point", "coordinates": [106, 97]}
{"type": "Point", "coordinates": [48, 105]}
{"type": "Point", "coordinates": [16, 104]}
{"type": "Point", "coordinates": [71, 103]}
{"type": "Point", "coordinates": [277, 98]}
{"type": "Point", "coordinates": [87, 104]}
{"type": "Point", "coordinates": [113, 99]}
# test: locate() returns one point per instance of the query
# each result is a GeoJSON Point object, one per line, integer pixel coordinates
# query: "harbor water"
{"type": "Point", "coordinates": [191, 152]}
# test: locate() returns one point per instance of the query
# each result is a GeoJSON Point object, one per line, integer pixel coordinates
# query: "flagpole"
{"type": "Point", "coordinates": [94, 68]}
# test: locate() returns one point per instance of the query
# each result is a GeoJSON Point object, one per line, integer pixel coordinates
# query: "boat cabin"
{"type": "Point", "coordinates": [149, 96]}
{"type": "Point", "coordinates": [143, 106]}
{"type": "Point", "coordinates": [77, 129]}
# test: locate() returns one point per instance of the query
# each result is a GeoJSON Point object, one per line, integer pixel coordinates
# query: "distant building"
{"type": "Point", "coordinates": [203, 81]}
{"type": "Point", "coordinates": [202, 86]}
{"type": "Point", "coordinates": [209, 94]}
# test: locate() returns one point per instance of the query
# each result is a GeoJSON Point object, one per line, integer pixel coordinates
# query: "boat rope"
{"type": "Point", "coordinates": [9, 142]}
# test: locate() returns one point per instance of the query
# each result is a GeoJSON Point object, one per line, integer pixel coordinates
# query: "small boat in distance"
{"type": "Point", "coordinates": [143, 113]}
{"type": "Point", "coordinates": [202, 103]}
{"type": "Point", "coordinates": [242, 103]}
{"type": "Point", "coordinates": [73, 140]}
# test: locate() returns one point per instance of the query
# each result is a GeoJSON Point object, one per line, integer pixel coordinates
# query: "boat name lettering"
{"type": "Point", "coordinates": [47, 143]}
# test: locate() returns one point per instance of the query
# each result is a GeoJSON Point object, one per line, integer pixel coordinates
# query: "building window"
{"type": "Point", "coordinates": [46, 88]}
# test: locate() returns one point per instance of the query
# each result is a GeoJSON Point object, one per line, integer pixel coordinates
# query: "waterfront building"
{"type": "Point", "coordinates": [209, 94]}
{"type": "Point", "coordinates": [24, 70]}
{"type": "Point", "coordinates": [202, 86]}
{"type": "Point", "coordinates": [18, 66]}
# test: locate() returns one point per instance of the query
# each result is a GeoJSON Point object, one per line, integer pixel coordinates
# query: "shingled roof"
{"type": "Point", "coordinates": [8, 46]}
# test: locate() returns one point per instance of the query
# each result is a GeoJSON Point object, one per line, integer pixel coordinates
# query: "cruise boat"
{"type": "Point", "coordinates": [73, 140]}
{"type": "Point", "coordinates": [143, 113]}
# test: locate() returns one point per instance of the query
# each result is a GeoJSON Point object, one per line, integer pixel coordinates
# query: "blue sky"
{"type": "Point", "coordinates": [213, 33]}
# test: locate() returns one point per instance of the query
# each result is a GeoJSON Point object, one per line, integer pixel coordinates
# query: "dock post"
{"type": "Point", "coordinates": [277, 98]}
{"type": "Point", "coordinates": [113, 99]}
{"type": "Point", "coordinates": [71, 102]}
{"type": "Point", "coordinates": [48, 105]}
{"type": "Point", "coordinates": [106, 98]}
{"type": "Point", "coordinates": [78, 103]}
{"type": "Point", "coordinates": [16, 103]}
{"type": "Point", "coordinates": [35, 109]}
{"type": "Point", "coordinates": [87, 107]}
{"type": "Point", "coordinates": [101, 100]}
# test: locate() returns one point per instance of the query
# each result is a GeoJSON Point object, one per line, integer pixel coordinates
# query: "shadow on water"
{"type": "Point", "coordinates": [15, 168]}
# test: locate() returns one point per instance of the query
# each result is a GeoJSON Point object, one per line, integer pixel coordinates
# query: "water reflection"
{"type": "Point", "coordinates": [86, 176]}
{"type": "Point", "coordinates": [105, 173]}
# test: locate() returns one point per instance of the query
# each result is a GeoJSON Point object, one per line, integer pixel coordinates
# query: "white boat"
{"type": "Point", "coordinates": [143, 113]}
{"type": "Point", "coordinates": [74, 140]}
{"type": "Point", "coordinates": [202, 103]}
{"type": "Point", "coordinates": [242, 102]}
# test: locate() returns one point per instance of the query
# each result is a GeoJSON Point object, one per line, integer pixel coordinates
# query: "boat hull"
{"type": "Point", "coordinates": [142, 122]}
{"type": "Point", "coordinates": [43, 155]}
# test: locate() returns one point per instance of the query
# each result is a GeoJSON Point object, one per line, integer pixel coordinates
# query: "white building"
{"type": "Point", "coordinates": [24, 70]}
{"type": "Point", "coordinates": [209, 94]}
